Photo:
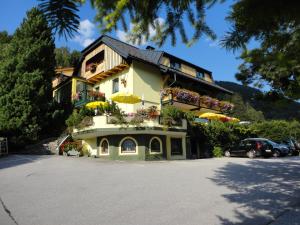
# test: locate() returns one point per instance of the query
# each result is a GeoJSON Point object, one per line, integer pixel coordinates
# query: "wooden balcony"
{"type": "Point", "coordinates": [98, 73]}
{"type": "Point", "coordinates": [189, 100]}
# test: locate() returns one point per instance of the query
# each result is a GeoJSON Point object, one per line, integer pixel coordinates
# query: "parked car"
{"type": "Point", "coordinates": [293, 146]}
{"type": "Point", "coordinates": [255, 147]}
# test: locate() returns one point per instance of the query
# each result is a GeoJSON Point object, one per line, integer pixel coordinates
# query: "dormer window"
{"type": "Point", "coordinates": [175, 65]}
{"type": "Point", "coordinates": [199, 74]}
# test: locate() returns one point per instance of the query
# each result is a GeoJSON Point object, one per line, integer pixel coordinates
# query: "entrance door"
{"type": "Point", "coordinates": [176, 146]}
{"type": "Point", "coordinates": [194, 149]}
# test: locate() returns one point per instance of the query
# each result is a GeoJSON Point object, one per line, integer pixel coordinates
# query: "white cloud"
{"type": "Point", "coordinates": [123, 36]}
{"type": "Point", "coordinates": [212, 43]}
{"type": "Point", "coordinates": [86, 33]}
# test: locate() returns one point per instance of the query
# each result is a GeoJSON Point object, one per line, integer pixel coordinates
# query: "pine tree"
{"type": "Point", "coordinates": [25, 79]}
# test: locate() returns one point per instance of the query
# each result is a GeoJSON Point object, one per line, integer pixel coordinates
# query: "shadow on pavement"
{"type": "Point", "coordinates": [16, 160]}
{"type": "Point", "coordinates": [264, 189]}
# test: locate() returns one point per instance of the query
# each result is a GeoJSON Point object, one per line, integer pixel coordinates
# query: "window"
{"type": "Point", "coordinates": [128, 146]}
{"type": "Point", "coordinates": [199, 74]}
{"type": "Point", "coordinates": [115, 85]}
{"type": "Point", "coordinates": [176, 146]}
{"type": "Point", "coordinates": [104, 147]}
{"type": "Point", "coordinates": [175, 65]}
{"type": "Point", "coordinates": [155, 146]}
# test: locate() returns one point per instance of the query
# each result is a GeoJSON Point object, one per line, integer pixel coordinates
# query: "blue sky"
{"type": "Point", "coordinates": [205, 53]}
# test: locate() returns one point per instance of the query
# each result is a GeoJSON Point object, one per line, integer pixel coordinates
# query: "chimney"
{"type": "Point", "coordinates": [150, 47]}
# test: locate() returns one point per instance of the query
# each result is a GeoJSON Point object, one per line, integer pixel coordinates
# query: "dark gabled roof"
{"type": "Point", "coordinates": [126, 50]}
{"type": "Point", "coordinates": [151, 56]}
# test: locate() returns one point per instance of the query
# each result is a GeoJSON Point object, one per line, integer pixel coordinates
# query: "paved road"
{"type": "Point", "coordinates": [48, 190]}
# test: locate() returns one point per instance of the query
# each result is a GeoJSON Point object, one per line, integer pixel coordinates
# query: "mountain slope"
{"type": "Point", "coordinates": [272, 105]}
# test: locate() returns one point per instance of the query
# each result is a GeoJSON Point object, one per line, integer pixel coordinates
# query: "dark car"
{"type": "Point", "coordinates": [292, 145]}
{"type": "Point", "coordinates": [255, 147]}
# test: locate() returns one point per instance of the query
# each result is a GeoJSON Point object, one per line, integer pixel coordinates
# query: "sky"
{"type": "Point", "coordinates": [204, 53]}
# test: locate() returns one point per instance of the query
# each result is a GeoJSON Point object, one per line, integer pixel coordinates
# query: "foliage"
{"type": "Point", "coordinates": [65, 58]}
{"type": "Point", "coordinates": [61, 15]}
{"type": "Point", "coordinates": [224, 135]}
{"type": "Point", "coordinates": [217, 152]}
{"type": "Point", "coordinates": [244, 111]}
{"type": "Point", "coordinates": [144, 16]}
{"type": "Point", "coordinates": [85, 150]}
{"type": "Point", "coordinates": [80, 118]}
{"type": "Point", "coordinates": [70, 145]}
{"type": "Point", "coordinates": [272, 105]}
{"type": "Point", "coordinates": [182, 95]}
{"type": "Point", "coordinates": [171, 115]}
{"type": "Point", "coordinates": [26, 70]}
{"type": "Point", "coordinates": [275, 27]}
{"type": "Point", "coordinates": [277, 130]}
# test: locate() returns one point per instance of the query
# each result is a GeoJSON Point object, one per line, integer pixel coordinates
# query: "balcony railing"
{"type": "Point", "coordinates": [86, 96]}
{"type": "Point", "coordinates": [192, 100]}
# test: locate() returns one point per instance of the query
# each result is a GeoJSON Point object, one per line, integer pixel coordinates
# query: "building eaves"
{"type": "Point", "coordinates": [166, 69]}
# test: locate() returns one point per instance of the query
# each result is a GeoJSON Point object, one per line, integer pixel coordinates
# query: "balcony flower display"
{"type": "Point", "coordinates": [205, 101]}
{"type": "Point", "coordinates": [182, 95]}
{"type": "Point", "coordinates": [96, 96]}
{"type": "Point", "coordinates": [226, 106]}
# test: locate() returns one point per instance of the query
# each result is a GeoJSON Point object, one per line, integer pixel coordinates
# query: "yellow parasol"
{"type": "Point", "coordinates": [125, 98]}
{"type": "Point", "coordinates": [233, 119]}
{"type": "Point", "coordinates": [95, 104]}
{"type": "Point", "coordinates": [221, 117]}
{"type": "Point", "coordinates": [212, 116]}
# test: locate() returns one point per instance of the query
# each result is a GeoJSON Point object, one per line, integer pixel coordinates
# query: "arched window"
{"type": "Point", "coordinates": [128, 145]}
{"type": "Point", "coordinates": [155, 146]}
{"type": "Point", "coordinates": [104, 147]}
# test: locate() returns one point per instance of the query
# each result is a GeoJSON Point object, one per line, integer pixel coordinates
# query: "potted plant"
{"type": "Point", "coordinates": [93, 67]}
{"type": "Point", "coordinates": [72, 148]}
{"type": "Point", "coordinates": [152, 112]}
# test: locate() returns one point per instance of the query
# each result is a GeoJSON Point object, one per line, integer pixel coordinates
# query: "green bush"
{"type": "Point", "coordinates": [217, 152]}
{"type": "Point", "coordinates": [85, 150]}
{"type": "Point", "coordinates": [277, 130]}
{"type": "Point", "coordinates": [171, 115]}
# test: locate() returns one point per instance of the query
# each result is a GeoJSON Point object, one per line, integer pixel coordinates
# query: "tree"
{"type": "Point", "coordinates": [276, 28]}
{"type": "Point", "coordinates": [5, 39]}
{"type": "Point", "coordinates": [144, 16]}
{"type": "Point", "coordinates": [244, 111]}
{"type": "Point", "coordinates": [26, 71]}
{"type": "Point", "coordinates": [65, 58]}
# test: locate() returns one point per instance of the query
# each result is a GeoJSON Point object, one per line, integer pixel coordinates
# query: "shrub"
{"type": "Point", "coordinates": [85, 150]}
{"type": "Point", "coordinates": [277, 130]}
{"type": "Point", "coordinates": [170, 115]}
{"type": "Point", "coordinates": [217, 152]}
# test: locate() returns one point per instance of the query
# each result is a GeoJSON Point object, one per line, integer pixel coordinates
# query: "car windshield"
{"type": "Point", "coordinates": [272, 142]}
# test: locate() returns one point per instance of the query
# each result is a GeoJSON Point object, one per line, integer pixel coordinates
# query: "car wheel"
{"type": "Point", "coordinates": [251, 154]}
{"type": "Point", "coordinates": [227, 153]}
{"type": "Point", "coordinates": [276, 153]}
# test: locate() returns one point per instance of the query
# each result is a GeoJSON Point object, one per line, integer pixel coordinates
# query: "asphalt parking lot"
{"type": "Point", "coordinates": [48, 190]}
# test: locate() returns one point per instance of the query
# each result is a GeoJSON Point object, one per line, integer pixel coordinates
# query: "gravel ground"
{"type": "Point", "coordinates": [47, 190]}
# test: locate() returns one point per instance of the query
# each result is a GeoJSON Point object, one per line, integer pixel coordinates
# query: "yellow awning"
{"type": "Point", "coordinates": [95, 104]}
{"type": "Point", "coordinates": [125, 98]}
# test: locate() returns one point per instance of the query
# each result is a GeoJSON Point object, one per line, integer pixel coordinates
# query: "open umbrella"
{"type": "Point", "coordinates": [233, 119]}
{"type": "Point", "coordinates": [95, 104]}
{"type": "Point", "coordinates": [213, 116]}
{"type": "Point", "coordinates": [220, 117]}
{"type": "Point", "coordinates": [126, 98]}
